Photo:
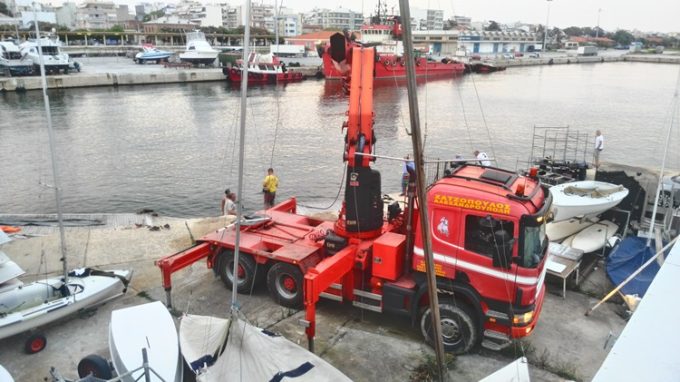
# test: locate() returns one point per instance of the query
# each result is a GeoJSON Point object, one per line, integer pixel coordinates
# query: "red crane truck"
{"type": "Point", "coordinates": [488, 239]}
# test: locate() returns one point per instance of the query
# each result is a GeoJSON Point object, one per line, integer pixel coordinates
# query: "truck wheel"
{"type": "Point", "coordinates": [459, 331]}
{"type": "Point", "coordinates": [246, 271]}
{"type": "Point", "coordinates": [285, 285]}
{"type": "Point", "coordinates": [94, 365]}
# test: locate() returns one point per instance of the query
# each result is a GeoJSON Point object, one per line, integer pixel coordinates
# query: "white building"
{"type": "Point", "coordinates": [340, 18]}
{"type": "Point", "coordinates": [96, 15]}
{"type": "Point", "coordinates": [497, 42]}
{"type": "Point", "coordinates": [231, 17]}
{"type": "Point", "coordinates": [462, 21]}
{"type": "Point", "coordinates": [427, 19]}
{"type": "Point", "coordinates": [66, 15]}
{"type": "Point", "coordinates": [199, 14]}
{"type": "Point", "coordinates": [24, 11]}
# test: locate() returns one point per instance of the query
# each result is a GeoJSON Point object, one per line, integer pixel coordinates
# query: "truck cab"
{"type": "Point", "coordinates": [489, 246]}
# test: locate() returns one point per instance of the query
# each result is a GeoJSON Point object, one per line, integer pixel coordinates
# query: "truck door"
{"type": "Point", "coordinates": [486, 258]}
{"type": "Point", "coordinates": [445, 226]}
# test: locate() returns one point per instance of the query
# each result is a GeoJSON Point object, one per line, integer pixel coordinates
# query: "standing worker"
{"type": "Point", "coordinates": [408, 164]}
{"type": "Point", "coordinates": [599, 146]}
{"type": "Point", "coordinates": [482, 158]}
{"type": "Point", "coordinates": [269, 186]}
{"type": "Point", "coordinates": [228, 203]}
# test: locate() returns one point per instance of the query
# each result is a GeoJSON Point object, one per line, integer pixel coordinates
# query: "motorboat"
{"type": "Point", "coordinates": [54, 60]}
{"type": "Point", "coordinates": [149, 53]}
{"type": "Point", "coordinates": [198, 50]}
{"type": "Point", "coordinates": [219, 349]}
{"type": "Point", "coordinates": [12, 62]}
{"type": "Point", "coordinates": [262, 69]}
{"type": "Point", "coordinates": [585, 198]}
{"type": "Point", "coordinates": [148, 326]}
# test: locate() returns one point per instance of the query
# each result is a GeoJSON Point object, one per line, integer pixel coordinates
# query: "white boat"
{"type": "Point", "coordinates": [557, 231]}
{"type": "Point", "coordinates": [585, 198]}
{"type": "Point", "coordinates": [54, 60]}
{"type": "Point", "coordinates": [5, 376]}
{"type": "Point", "coordinates": [12, 62]}
{"type": "Point", "coordinates": [198, 50]}
{"type": "Point", "coordinates": [147, 326]}
{"type": "Point", "coordinates": [28, 306]}
{"type": "Point", "coordinates": [250, 353]}
{"type": "Point", "coordinates": [594, 237]}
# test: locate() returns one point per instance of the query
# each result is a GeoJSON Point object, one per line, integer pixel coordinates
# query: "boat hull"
{"type": "Point", "coordinates": [390, 66]}
{"type": "Point", "coordinates": [86, 292]}
{"type": "Point", "coordinates": [594, 237]}
{"type": "Point", "coordinates": [148, 326]}
{"type": "Point", "coordinates": [199, 58]}
{"type": "Point", "coordinates": [235, 75]}
{"type": "Point", "coordinates": [567, 205]}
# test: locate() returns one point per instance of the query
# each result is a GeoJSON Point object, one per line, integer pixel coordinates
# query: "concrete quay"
{"type": "Point", "coordinates": [366, 346]}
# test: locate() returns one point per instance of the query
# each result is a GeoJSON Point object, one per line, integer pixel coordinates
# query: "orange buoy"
{"type": "Point", "coordinates": [9, 229]}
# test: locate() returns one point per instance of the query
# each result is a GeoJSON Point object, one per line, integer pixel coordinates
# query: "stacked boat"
{"type": "Point", "coordinates": [54, 60]}
{"type": "Point", "coordinates": [12, 62]}
{"type": "Point", "coordinates": [575, 209]}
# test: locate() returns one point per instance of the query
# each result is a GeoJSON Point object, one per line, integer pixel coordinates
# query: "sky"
{"type": "Point", "coordinates": [643, 15]}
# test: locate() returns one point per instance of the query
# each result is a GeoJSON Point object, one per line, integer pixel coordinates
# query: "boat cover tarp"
{"type": "Point", "coordinates": [254, 354]}
{"type": "Point", "coordinates": [629, 255]}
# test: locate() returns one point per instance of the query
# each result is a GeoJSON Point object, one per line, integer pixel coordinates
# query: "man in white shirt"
{"type": "Point", "coordinates": [482, 158]}
{"type": "Point", "coordinates": [599, 146]}
{"type": "Point", "coordinates": [228, 203]}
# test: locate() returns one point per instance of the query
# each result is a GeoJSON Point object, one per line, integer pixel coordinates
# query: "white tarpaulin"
{"type": "Point", "coordinates": [254, 354]}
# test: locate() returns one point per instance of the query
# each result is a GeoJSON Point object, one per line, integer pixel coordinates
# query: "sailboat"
{"type": "Point", "coordinates": [228, 349]}
{"type": "Point", "coordinates": [25, 307]}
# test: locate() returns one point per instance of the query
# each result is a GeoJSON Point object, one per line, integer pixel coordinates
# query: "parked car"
{"type": "Point", "coordinates": [508, 56]}
{"type": "Point", "coordinates": [519, 54]}
{"type": "Point", "coordinates": [534, 55]}
{"type": "Point", "coordinates": [475, 57]}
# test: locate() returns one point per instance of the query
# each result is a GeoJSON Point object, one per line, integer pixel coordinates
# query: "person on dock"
{"type": "Point", "coordinates": [269, 186]}
{"type": "Point", "coordinates": [599, 146]}
{"type": "Point", "coordinates": [408, 164]}
{"type": "Point", "coordinates": [228, 203]}
{"type": "Point", "coordinates": [482, 158]}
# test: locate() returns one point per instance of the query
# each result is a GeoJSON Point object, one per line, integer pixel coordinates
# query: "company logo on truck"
{"type": "Point", "coordinates": [472, 204]}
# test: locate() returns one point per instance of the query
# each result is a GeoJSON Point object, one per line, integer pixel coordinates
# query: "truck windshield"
{"type": "Point", "coordinates": [532, 250]}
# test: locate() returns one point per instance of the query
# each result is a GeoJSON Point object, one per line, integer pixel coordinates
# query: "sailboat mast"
{"type": "Point", "coordinates": [420, 184]}
{"type": "Point", "coordinates": [241, 150]}
{"type": "Point", "coordinates": [53, 156]}
{"type": "Point", "coordinates": [674, 111]}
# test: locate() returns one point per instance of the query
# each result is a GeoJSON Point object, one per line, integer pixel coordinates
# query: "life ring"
{"type": "Point", "coordinates": [9, 229]}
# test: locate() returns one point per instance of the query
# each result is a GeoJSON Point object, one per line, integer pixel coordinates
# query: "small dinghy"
{"type": "Point", "coordinates": [594, 237]}
{"type": "Point", "coordinates": [150, 327]}
{"type": "Point", "coordinates": [557, 231]}
{"type": "Point", "coordinates": [233, 350]}
{"type": "Point", "coordinates": [585, 198]}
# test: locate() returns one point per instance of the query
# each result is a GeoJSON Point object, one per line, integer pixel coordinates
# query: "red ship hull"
{"type": "Point", "coordinates": [234, 75]}
{"type": "Point", "coordinates": [390, 66]}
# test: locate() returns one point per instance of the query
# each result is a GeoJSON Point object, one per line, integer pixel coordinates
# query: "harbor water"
{"type": "Point", "coordinates": [173, 148]}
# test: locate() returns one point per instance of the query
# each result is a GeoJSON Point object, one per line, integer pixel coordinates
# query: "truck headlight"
{"type": "Point", "coordinates": [522, 319]}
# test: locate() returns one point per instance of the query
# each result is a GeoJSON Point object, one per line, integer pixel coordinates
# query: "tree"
{"type": "Point", "coordinates": [4, 9]}
{"type": "Point", "coordinates": [493, 26]}
{"type": "Point", "coordinates": [623, 37]}
{"type": "Point", "coordinates": [573, 31]}
{"type": "Point", "coordinates": [117, 28]}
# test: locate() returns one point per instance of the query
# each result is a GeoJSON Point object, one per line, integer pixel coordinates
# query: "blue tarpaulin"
{"type": "Point", "coordinates": [626, 258]}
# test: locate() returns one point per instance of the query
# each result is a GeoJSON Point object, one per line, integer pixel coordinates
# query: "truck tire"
{"type": "Point", "coordinates": [459, 330]}
{"type": "Point", "coordinates": [285, 285]}
{"type": "Point", "coordinates": [246, 270]}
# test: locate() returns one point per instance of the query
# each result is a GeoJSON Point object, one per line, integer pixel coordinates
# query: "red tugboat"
{"type": "Point", "coordinates": [488, 239]}
{"type": "Point", "coordinates": [263, 69]}
{"type": "Point", "coordinates": [386, 37]}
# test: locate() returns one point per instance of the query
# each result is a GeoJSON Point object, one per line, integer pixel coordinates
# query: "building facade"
{"type": "Point", "coordinates": [169, 23]}
{"type": "Point", "coordinates": [339, 19]}
{"type": "Point", "coordinates": [67, 15]}
{"type": "Point", "coordinates": [487, 42]}
{"type": "Point", "coordinates": [96, 15]}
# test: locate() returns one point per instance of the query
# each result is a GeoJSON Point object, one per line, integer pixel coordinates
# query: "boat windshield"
{"type": "Point", "coordinates": [50, 50]}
